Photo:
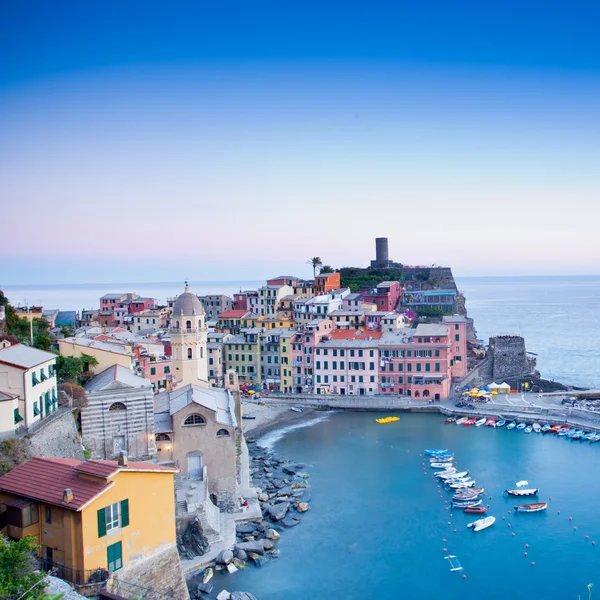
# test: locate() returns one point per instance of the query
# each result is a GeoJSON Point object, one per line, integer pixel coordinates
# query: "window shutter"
{"type": "Point", "coordinates": [101, 522]}
{"type": "Point", "coordinates": [124, 513]}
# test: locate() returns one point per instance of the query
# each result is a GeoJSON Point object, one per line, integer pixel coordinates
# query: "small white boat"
{"type": "Point", "coordinates": [296, 409]}
{"type": "Point", "coordinates": [482, 523]}
{"type": "Point", "coordinates": [445, 466]}
{"type": "Point", "coordinates": [455, 475]}
{"type": "Point", "coordinates": [529, 508]}
{"type": "Point", "coordinates": [441, 459]}
{"type": "Point", "coordinates": [480, 422]}
{"type": "Point", "coordinates": [522, 492]}
{"type": "Point", "coordinates": [462, 420]}
{"type": "Point", "coordinates": [537, 427]}
{"type": "Point", "coordinates": [462, 485]}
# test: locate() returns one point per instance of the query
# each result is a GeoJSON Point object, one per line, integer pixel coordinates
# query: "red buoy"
{"type": "Point", "coordinates": [574, 528]}
{"type": "Point", "coordinates": [526, 545]}
{"type": "Point", "coordinates": [455, 531]}
{"type": "Point", "coordinates": [532, 564]}
{"type": "Point", "coordinates": [509, 524]}
{"type": "Point", "coordinates": [513, 534]}
{"type": "Point", "coordinates": [464, 576]}
{"type": "Point", "coordinates": [524, 553]}
{"type": "Point", "coordinates": [593, 543]}
{"type": "Point", "coordinates": [444, 540]}
{"type": "Point", "coordinates": [558, 512]}
{"type": "Point", "coordinates": [570, 518]}
{"type": "Point", "coordinates": [445, 549]}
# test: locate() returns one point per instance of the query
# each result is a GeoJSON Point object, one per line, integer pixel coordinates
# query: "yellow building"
{"type": "Point", "coordinates": [107, 354]}
{"type": "Point", "coordinates": [118, 517]}
{"type": "Point", "coordinates": [242, 355]}
{"type": "Point", "coordinates": [281, 321]}
{"type": "Point", "coordinates": [285, 354]}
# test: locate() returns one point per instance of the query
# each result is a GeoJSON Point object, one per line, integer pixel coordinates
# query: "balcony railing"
{"type": "Point", "coordinates": [79, 578]}
{"type": "Point", "coordinates": [184, 330]}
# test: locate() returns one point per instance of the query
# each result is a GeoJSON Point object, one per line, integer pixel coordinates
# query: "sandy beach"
{"type": "Point", "coordinates": [270, 417]}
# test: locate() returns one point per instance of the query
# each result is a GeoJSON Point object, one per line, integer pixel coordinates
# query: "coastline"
{"type": "Point", "coordinates": [271, 417]}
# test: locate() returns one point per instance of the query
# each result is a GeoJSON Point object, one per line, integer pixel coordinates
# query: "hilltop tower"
{"type": "Point", "coordinates": [188, 340]}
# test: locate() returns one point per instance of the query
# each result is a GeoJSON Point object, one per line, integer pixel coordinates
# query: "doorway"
{"type": "Point", "coordinates": [194, 464]}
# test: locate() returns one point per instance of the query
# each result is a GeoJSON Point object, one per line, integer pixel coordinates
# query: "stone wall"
{"type": "Point", "coordinates": [158, 576]}
{"type": "Point", "coordinates": [509, 357]}
{"type": "Point", "coordinates": [58, 438]}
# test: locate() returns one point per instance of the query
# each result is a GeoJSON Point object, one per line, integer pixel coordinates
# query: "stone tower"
{"type": "Point", "coordinates": [188, 340]}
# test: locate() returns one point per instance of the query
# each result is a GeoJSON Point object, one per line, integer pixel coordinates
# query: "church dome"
{"type": "Point", "coordinates": [187, 304]}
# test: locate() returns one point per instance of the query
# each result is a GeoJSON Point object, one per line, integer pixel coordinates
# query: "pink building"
{"type": "Point", "coordinates": [352, 302]}
{"type": "Point", "coordinates": [246, 300]}
{"type": "Point", "coordinates": [157, 371]}
{"type": "Point", "coordinates": [347, 363]}
{"type": "Point", "coordinates": [303, 353]}
{"type": "Point", "coordinates": [385, 296]}
{"type": "Point", "coordinates": [284, 280]}
{"type": "Point", "coordinates": [457, 327]}
{"type": "Point", "coordinates": [139, 304]}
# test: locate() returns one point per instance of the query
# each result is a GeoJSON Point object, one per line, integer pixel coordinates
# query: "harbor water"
{"type": "Point", "coordinates": [377, 523]}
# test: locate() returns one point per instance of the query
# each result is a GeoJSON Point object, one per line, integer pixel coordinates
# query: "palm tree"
{"type": "Point", "coordinates": [326, 269]}
{"type": "Point", "coordinates": [315, 262]}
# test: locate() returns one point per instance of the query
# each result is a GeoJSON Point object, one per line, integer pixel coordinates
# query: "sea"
{"type": "Point", "coordinates": [558, 316]}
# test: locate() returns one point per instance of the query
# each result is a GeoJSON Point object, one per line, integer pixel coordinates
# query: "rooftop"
{"type": "Point", "coordinates": [217, 400]}
{"type": "Point", "coordinates": [350, 334]}
{"type": "Point", "coordinates": [98, 345]}
{"type": "Point", "coordinates": [5, 396]}
{"type": "Point", "coordinates": [233, 314]}
{"type": "Point", "coordinates": [116, 376]}
{"type": "Point", "coordinates": [24, 357]}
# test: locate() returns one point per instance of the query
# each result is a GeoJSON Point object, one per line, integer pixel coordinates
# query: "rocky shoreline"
{"type": "Point", "coordinates": [283, 493]}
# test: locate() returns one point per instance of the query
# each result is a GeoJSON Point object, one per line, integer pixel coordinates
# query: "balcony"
{"type": "Point", "coordinates": [183, 330]}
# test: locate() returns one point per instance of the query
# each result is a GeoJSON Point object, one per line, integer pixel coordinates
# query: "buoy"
{"type": "Point", "coordinates": [445, 549]}
{"type": "Point", "coordinates": [593, 543]}
{"type": "Point", "coordinates": [448, 508]}
{"type": "Point", "coordinates": [490, 497]}
{"type": "Point", "coordinates": [455, 531]}
{"type": "Point", "coordinates": [532, 564]}
{"type": "Point", "coordinates": [449, 523]}
{"type": "Point", "coordinates": [488, 506]}
{"type": "Point", "coordinates": [464, 576]}
{"type": "Point", "coordinates": [570, 518]}
{"type": "Point", "coordinates": [558, 512]}
{"type": "Point", "coordinates": [524, 553]}
{"type": "Point", "coordinates": [526, 545]}
{"type": "Point", "coordinates": [574, 528]}
{"type": "Point", "coordinates": [503, 518]}
{"type": "Point", "coordinates": [587, 537]}
{"type": "Point", "coordinates": [513, 534]}
{"type": "Point", "coordinates": [444, 540]}
{"type": "Point", "coordinates": [450, 514]}
{"type": "Point", "coordinates": [509, 512]}
{"type": "Point", "coordinates": [549, 497]}
{"type": "Point", "coordinates": [509, 524]}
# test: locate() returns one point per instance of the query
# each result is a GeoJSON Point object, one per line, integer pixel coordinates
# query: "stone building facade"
{"type": "Point", "coordinates": [509, 358]}
{"type": "Point", "coordinates": [119, 415]}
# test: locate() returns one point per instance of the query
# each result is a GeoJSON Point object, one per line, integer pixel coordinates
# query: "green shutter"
{"type": "Point", "coordinates": [124, 513]}
{"type": "Point", "coordinates": [101, 522]}
{"type": "Point", "coordinates": [114, 557]}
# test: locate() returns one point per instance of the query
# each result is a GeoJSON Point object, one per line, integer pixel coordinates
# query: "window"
{"type": "Point", "coordinates": [117, 406]}
{"type": "Point", "coordinates": [222, 433]}
{"type": "Point", "coordinates": [427, 366]}
{"type": "Point", "coordinates": [114, 554]}
{"type": "Point", "coordinates": [112, 516]}
{"type": "Point", "coordinates": [371, 366]}
{"type": "Point", "coordinates": [162, 437]}
{"type": "Point", "coordinates": [30, 515]}
{"type": "Point", "coordinates": [152, 370]}
{"type": "Point", "coordinates": [437, 352]}
{"type": "Point", "coordinates": [437, 366]}
{"type": "Point", "coordinates": [34, 379]}
{"type": "Point", "coordinates": [36, 410]}
{"type": "Point", "coordinates": [457, 337]}
{"type": "Point", "coordinates": [189, 353]}
{"type": "Point", "coordinates": [167, 369]}
{"type": "Point", "coordinates": [195, 419]}
{"type": "Point", "coordinates": [48, 515]}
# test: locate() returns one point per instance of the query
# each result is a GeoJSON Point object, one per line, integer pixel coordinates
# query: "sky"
{"type": "Point", "coordinates": [155, 141]}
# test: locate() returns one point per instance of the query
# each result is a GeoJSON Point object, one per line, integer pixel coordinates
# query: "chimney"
{"type": "Point", "coordinates": [122, 460]}
{"type": "Point", "coordinates": [67, 495]}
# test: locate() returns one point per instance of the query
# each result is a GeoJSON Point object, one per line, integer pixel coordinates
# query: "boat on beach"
{"type": "Point", "coordinates": [537, 427]}
{"type": "Point", "coordinates": [482, 523]}
{"type": "Point", "coordinates": [480, 422]}
{"type": "Point", "coordinates": [534, 507]}
{"type": "Point", "coordinates": [295, 409]}
{"type": "Point", "coordinates": [511, 425]}
{"type": "Point", "coordinates": [501, 423]}
{"type": "Point", "coordinates": [462, 420]}
{"type": "Point", "coordinates": [521, 426]}
{"type": "Point", "coordinates": [475, 510]}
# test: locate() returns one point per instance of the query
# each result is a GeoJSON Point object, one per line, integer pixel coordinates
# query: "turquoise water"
{"type": "Point", "coordinates": [377, 522]}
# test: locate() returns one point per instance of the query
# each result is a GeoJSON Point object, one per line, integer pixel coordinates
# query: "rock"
{"type": "Point", "coordinates": [231, 568]}
{"type": "Point", "coordinates": [302, 507]}
{"type": "Point", "coordinates": [249, 547]}
{"type": "Point", "coordinates": [242, 596]}
{"type": "Point", "coordinates": [272, 534]}
{"type": "Point", "coordinates": [205, 588]}
{"type": "Point", "coordinates": [249, 538]}
{"type": "Point", "coordinates": [282, 499]}
{"type": "Point", "coordinates": [278, 483]}
{"type": "Point", "coordinates": [245, 528]}
{"type": "Point", "coordinates": [278, 511]}
{"type": "Point", "coordinates": [268, 544]}
{"type": "Point", "coordinates": [286, 491]}
{"type": "Point", "coordinates": [304, 475]}
{"type": "Point", "coordinates": [290, 469]}
{"type": "Point", "coordinates": [224, 595]}
{"type": "Point", "coordinates": [291, 521]}
{"type": "Point", "coordinates": [258, 560]}
{"type": "Point", "coordinates": [263, 497]}
{"type": "Point", "coordinates": [240, 554]}
{"type": "Point", "coordinates": [225, 557]}
{"type": "Point", "coordinates": [207, 576]}
{"type": "Point", "coordinates": [240, 564]}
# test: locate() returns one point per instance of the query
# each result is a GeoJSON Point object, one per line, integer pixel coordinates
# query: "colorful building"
{"type": "Point", "coordinates": [326, 282]}
{"type": "Point", "coordinates": [215, 304]}
{"type": "Point", "coordinates": [97, 518]}
{"type": "Point", "coordinates": [270, 297]}
{"type": "Point", "coordinates": [242, 355]}
{"type": "Point", "coordinates": [233, 321]}
{"type": "Point", "coordinates": [385, 296]}
{"type": "Point", "coordinates": [442, 301]}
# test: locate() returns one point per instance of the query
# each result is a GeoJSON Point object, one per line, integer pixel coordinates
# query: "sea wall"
{"type": "Point", "coordinates": [58, 438]}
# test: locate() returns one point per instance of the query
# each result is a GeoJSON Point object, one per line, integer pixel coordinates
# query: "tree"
{"type": "Point", "coordinates": [315, 262]}
{"type": "Point", "coordinates": [326, 269]}
{"type": "Point", "coordinates": [19, 574]}
{"type": "Point", "coordinates": [72, 369]}
{"type": "Point", "coordinates": [75, 393]}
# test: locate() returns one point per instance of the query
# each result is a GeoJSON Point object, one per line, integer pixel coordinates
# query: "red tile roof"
{"type": "Point", "coordinates": [354, 334]}
{"type": "Point", "coordinates": [232, 314]}
{"type": "Point", "coordinates": [45, 479]}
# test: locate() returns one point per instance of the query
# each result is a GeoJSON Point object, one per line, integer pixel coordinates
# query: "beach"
{"type": "Point", "coordinates": [270, 417]}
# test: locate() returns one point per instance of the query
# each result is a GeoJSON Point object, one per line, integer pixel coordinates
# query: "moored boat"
{"type": "Point", "coordinates": [501, 423]}
{"type": "Point", "coordinates": [449, 476]}
{"type": "Point", "coordinates": [564, 430]}
{"type": "Point", "coordinates": [450, 420]}
{"type": "Point", "coordinates": [528, 429]}
{"type": "Point", "coordinates": [436, 450]}
{"type": "Point", "coordinates": [441, 459]}
{"type": "Point", "coordinates": [442, 465]}
{"type": "Point", "coordinates": [534, 507]}
{"type": "Point", "coordinates": [521, 426]}
{"type": "Point", "coordinates": [511, 425]}
{"type": "Point", "coordinates": [522, 492]}
{"type": "Point", "coordinates": [595, 439]}
{"type": "Point", "coordinates": [462, 484]}
{"type": "Point", "coordinates": [555, 429]}
{"type": "Point", "coordinates": [462, 420]}
{"type": "Point", "coordinates": [482, 523]}
{"type": "Point", "coordinates": [537, 427]}
{"type": "Point", "coordinates": [469, 422]}
{"type": "Point", "coordinates": [546, 428]}
{"type": "Point", "coordinates": [475, 510]}
{"type": "Point", "coordinates": [480, 422]}
{"type": "Point", "coordinates": [577, 435]}
{"type": "Point", "coordinates": [385, 420]}
{"type": "Point", "coordinates": [491, 422]}
{"type": "Point", "coordinates": [589, 436]}
{"type": "Point", "coordinates": [467, 503]}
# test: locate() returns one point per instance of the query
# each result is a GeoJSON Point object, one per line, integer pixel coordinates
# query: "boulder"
{"type": "Point", "coordinates": [290, 470]}
{"type": "Point", "coordinates": [263, 497]}
{"type": "Point", "coordinates": [242, 596]}
{"type": "Point", "coordinates": [278, 511]}
{"type": "Point", "coordinates": [272, 534]}
{"type": "Point", "coordinates": [249, 538]}
{"type": "Point", "coordinates": [302, 507]}
{"type": "Point", "coordinates": [248, 547]}
{"type": "Point", "coordinates": [207, 575]}
{"type": "Point", "coordinates": [258, 560]}
{"type": "Point", "coordinates": [224, 595]}
{"type": "Point", "coordinates": [225, 557]}
{"type": "Point", "coordinates": [205, 588]}
{"type": "Point", "coordinates": [245, 528]}
{"type": "Point", "coordinates": [240, 564]}
{"type": "Point", "coordinates": [268, 544]}
{"type": "Point", "coordinates": [231, 568]}
{"type": "Point", "coordinates": [291, 521]}
{"type": "Point", "coordinates": [285, 491]}
{"type": "Point", "coordinates": [240, 554]}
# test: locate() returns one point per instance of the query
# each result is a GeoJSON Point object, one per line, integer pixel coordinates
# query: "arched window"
{"type": "Point", "coordinates": [195, 419]}
{"type": "Point", "coordinates": [188, 324]}
{"type": "Point", "coordinates": [117, 406]}
{"type": "Point", "coordinates": [222, 433]}
{"type": "Point", "coordinates": [201, 352]}
{"type": "Point", "coordinates": [199, 324]}
{"type": "Point", "coordinates": [162, 437]}
{"type": "Point", "coordinates": [417, 394]}
{"type": "Point", "coordinates": [189, 353]}
{"type": "Point", "coordinates": [425, 393]}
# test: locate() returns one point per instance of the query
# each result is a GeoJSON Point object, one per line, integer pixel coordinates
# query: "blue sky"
{"type": "Point", "coordinates": [150, 141]}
